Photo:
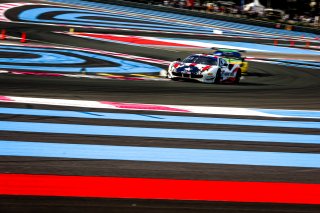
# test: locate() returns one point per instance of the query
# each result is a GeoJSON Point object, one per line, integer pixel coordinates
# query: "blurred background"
{"type": "Point", "coordinates": [295, 12]}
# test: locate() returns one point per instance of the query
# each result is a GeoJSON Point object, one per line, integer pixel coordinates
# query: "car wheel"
{"type": "Point", "coordinates": [174, 79]}
{"type": "Point", "coordinates": [168, 76]}
{"type": "Point", "coordinates": [217, 80]}
{"type": "Point", "coordinates": [238, 76]}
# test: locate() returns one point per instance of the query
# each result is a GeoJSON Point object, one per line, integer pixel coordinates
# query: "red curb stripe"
{"type": "Point", "coordinates": [169, 189]}
{"type": "Point", "coordinates": [135, 106]}
{"type": "Point", "coordinates": [37, 73]}
{"type": "Point", "coordinates": [5, 98]}
{"type": "Point", "coordinates": [134, 40]}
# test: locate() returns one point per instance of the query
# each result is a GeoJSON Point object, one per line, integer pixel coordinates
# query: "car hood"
{"type": "Point", "coordinates": [192, 67]}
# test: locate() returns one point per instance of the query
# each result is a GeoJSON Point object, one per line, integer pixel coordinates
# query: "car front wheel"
{"type": "Point", "coordinates": [217, 80]}
{"type": "Point", "coordinates": [238, 76]}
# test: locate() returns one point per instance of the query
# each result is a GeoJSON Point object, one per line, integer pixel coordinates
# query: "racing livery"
{"type": "Point", "coordinates": [205, 68]}
{"type": "Point", "coordinates": [233, 57]}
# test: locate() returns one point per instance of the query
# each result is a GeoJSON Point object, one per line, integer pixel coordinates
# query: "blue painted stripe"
{"type": "Point", "coordinates": [157, 132]}
{"type": "Point", "coordinates": [34, 14]}
{"type": "Point", "coordinates": [315, 63]}
{"type": "Point", "coordinates": [77, 17]}
{"type": "Point", "coordinates": [292, 113]}
{"type": "Point", "coordinates": [46, 57]}
{"type": "Point", "coordinates": [261, 47]}
{"type": "Point", "coordinates": [178, 17]}
{"type": "Point", "coordinates": [177, 155]}
{"type": "Point", "coordinates": [80, 17]}
{"type": "Point", "coordinates": [160, 118]}
{"type": "Point", "coordinates": [289, 64]}
{"type": "Point", "coordinates": [41, 57]}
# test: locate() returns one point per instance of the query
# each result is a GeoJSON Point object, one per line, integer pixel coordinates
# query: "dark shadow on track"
{"type": "Point", "coordinates": [62, 204]}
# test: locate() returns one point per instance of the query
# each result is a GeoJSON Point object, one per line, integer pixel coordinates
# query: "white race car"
{"type": "Point", "coordinates": [205, 68]}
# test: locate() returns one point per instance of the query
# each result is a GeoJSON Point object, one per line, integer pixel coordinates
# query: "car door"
{"type": "Point", "coordinates": [225, 72]}
{"type": "Point", "coordinates": [223, 65]}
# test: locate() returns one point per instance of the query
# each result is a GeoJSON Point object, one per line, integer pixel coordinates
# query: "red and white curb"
{"type": "Point", "coordinates": [234, 111]}
{"type": "Point", "coordinates": [157, 41]}
{"type": "Point", "coordinates": [133, 40]}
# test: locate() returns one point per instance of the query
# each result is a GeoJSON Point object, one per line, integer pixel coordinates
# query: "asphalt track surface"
{"type": "Point", "coordinates": [266, 86]}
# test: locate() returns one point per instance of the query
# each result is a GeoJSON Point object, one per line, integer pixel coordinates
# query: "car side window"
{"type": "Point", "coordinates": [223, 62]}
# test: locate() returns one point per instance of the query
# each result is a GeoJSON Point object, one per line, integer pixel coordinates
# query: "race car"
{"type": "Point", "coordinates": [205, 68]}
{"type": "Point", "coordinates": [233, 57]}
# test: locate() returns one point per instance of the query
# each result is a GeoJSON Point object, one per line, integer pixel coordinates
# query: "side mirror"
{"type": "Point", "coordinates": [178, 59]}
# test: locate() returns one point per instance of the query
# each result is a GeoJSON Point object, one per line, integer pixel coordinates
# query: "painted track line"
{"type": "Point", "coordinates": [157, 132]}
{"type": "Point", "coordinates": [190, 43]}
{"type": "Point", "coordinates": [96, 76]}
{"type": "Point", "coordinates": [156, 154]}
{"type": "Point", "coordinates": [246, 31]}
{"type": "Point", "coordinates": [188, 22]}
{"type": "Point", "coordinates": [145, 188]}
{"type": "Point", "coordinates": [77, 57]}
{"type": "Point", "coordinates": [280, 113]}
{"type": "Point", "coordinates": [160, 118]}
{"type": "Point", "coordinates": [102, 52]}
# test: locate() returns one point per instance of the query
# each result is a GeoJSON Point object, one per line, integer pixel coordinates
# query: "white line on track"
{"type": "Point", "coordinates": [280, 113]}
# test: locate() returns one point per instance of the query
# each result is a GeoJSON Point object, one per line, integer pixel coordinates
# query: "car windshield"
{"type": "Point", "coordinates": [201, 60]}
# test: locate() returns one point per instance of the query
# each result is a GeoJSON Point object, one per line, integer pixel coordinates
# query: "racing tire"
{"type": "Point", "coordinates": [238, 77]}
{"type": "Point", "coordinates": [167, 76]}
{"type": "Point", "coordinates": [217, 80]}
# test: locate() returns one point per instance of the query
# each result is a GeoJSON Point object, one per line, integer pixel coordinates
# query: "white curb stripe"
{"type": "Point", "coordinates": [168, 108]}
